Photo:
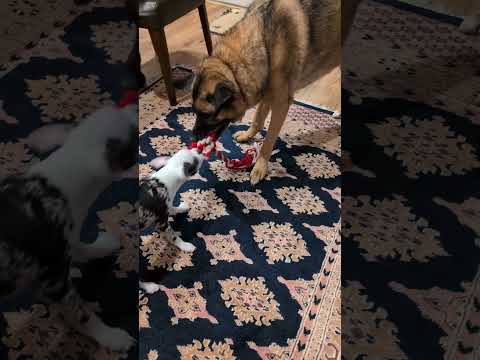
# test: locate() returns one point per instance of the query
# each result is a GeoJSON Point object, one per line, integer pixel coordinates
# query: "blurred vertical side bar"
{"type": "Point", "coordinates": [411, 160]}
{"type": "Point", "coordinates": [68, 180]}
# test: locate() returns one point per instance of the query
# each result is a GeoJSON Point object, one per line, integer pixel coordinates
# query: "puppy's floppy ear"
{"type": "Point", "coordinates": [224, 91]}
{"type": "Point", "coordinates": [190, 169]}
{"type": "Point", "coordinates": [121, 154]}
{"type": "Point", "coordinates": [159, 162]}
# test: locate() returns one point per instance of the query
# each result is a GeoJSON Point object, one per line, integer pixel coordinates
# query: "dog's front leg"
{"type": "Point", "coordinates": [257, 124]}
{"type": "Point", "coordinates": [280, 104]}
{"type": "Point", "coordinates": [85, 321]}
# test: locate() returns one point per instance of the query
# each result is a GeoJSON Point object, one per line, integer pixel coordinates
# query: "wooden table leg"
{"type": "Point", "coordinates": [202, 11]}
{"type": "Point", "coordinates": [159, 42]}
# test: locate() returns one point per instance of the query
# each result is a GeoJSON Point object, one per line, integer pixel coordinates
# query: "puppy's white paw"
{"type": "Point", "coordinates": [115, 339]}
{"type": "Point", "coordinates": [149, 287]}
{"type": "Point", "coordinates": [107, 242]}
{"type": "Point", "coordinates": [181, 208]}
{"type": "Point", "coordinates": [184, 246]}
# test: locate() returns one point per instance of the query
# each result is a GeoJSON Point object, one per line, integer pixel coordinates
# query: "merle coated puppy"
{"type": "Point", "coordinates": [43, 210]}
{"type": "Point", "coordinates": [157, 192]}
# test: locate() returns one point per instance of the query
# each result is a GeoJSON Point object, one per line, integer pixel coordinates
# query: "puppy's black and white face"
{"type": "Point", "coordinates": [184, 164]}
{"type": "Point", "coordinates": [216, 100]}
{"type": "Point", "coordinates": [107, 140]}
{"type": "Point", "coordinates": [121, 152]}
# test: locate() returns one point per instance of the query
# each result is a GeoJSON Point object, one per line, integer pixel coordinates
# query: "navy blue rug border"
{"type": "Point", "coordinates": [449, 19]}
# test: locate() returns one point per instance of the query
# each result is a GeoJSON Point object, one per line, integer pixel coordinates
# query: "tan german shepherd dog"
{"type": "Point", "coordinates": [280, 46]}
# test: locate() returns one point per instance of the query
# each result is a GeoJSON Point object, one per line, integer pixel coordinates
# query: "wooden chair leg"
{"type": "Point", "coordinates": [202, 11]}
{"type": "Point", "coordinates": [159, 42]}
{"type": "Point", "coordinates": [134, 63]}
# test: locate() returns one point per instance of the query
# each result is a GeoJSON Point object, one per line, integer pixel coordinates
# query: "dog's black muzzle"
{"type": "Point", "coordinates": [205, 125]}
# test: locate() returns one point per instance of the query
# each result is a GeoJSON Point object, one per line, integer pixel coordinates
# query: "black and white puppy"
{"type": "Point", "coordinates": [157, 192]}
{"type": "Point", "coordinates": [43, 210]}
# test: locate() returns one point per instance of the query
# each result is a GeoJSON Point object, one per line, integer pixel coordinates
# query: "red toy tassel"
{"type": "Point", "coordinates": [130, 97]}
{"type": "Point", "coordinates": [246, 162]}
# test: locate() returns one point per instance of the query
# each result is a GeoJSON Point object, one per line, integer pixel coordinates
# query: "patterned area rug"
{"type": "Point", "coordinates": [264, 280]}
{"type": "Point", "coordinates": [59, 72]}
{"type": "Point", "coordinates": [410, 178]}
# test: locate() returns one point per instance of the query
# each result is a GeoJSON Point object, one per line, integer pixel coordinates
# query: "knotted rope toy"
{"type": "Point", "coordinates": [208, 146]}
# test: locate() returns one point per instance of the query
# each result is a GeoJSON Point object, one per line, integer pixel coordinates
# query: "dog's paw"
{"type": "Point", "coordinates": [115, 339]}
{"type": "Point", "coordinates": [470, 25]}
{"type": "Point", "coordinates": [243, 136]}
{"type": "Point", "coordinates": [184, 246]}
{"type": "Point", "coordinates": [259, 171]}
{"type": "Point", "coordinates": [149, 287]}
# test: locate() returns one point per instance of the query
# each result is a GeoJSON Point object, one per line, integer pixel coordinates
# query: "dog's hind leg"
{"type": "Point", "coordinates": [257, 124]}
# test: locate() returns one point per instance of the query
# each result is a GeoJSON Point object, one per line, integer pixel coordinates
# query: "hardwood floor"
{"type": "Point", "coordinates": [240, 3]}
{"type": "Point", "coordinates": [187, 47]}
{"type": "Point", "coordinates": [185, 42]}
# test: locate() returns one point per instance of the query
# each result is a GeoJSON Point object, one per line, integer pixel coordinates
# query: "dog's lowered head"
{"type": "Point", "coordinates": [217, 98]}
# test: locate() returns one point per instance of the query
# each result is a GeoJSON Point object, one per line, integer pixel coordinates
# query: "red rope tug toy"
{"type": "Point", "coordinates": [208, 145]}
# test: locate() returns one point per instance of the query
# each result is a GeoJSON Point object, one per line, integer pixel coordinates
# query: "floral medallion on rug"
{"type": "Point", "coordinates": [264, 280]}
{"type": "Point", "coordinates": [411, 199]}
{"type": "Point", "coordinates": [69, 65]}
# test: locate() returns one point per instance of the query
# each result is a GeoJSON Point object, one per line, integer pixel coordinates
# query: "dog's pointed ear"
{"type": "Point", "coordinates": [224, 91]}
